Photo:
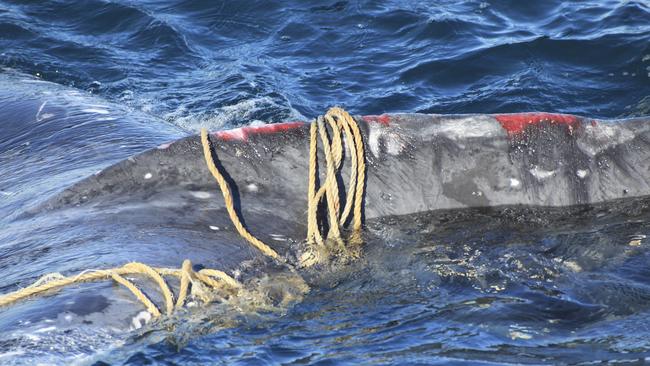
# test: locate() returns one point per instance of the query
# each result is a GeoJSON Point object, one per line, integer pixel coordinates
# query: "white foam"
{"type": "Point", "coordinates": [45, 330]}
{"type": "Point", "coordinates": [95, 110]}
{"type": "Point", "coordinates": [38, 113]}
{"type": "Point", "coordinates": [12, 354]}
{"type": "Point", "coordinates": [33, 81]}
{"type": "Point", "coordinates": [515, 334]}
{"type": "Point", "coordinates": [231, 115]}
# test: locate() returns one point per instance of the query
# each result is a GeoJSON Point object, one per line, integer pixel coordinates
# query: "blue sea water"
{"type": "Point", "coordinates": [531, 293]}
{"type": "Point", "coordinates": [227, 63]}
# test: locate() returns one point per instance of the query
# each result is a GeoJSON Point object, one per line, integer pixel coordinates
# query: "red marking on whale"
{"type": "Point", "coordinates": [383, 119]}
{"type": "Point", "coordinates": [242, 133]}
{"type": "Point", "coordinates": [516, 123]}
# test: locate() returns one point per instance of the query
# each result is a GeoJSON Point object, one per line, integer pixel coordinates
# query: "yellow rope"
{"type": "Point", "coordinates": [186, 272]}
{"type": "Point", "coordinates": [339, 122]}
{"type": "Point", "coordinates": [146, 270]}
{"type": "Point", "coordinates": [313, 234]}
{"type": "Point", "coordinates": [151, 307]}
{"type": "Point", "coordinates": [227, 197]}
{"type": "Point", "coordinates": [134, 268]}
{"type": "Point", "coordinates": [220, 275]}
{"type": "Point", "coordinates": [358, 166]}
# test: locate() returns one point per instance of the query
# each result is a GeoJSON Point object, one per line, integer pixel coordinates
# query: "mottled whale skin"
{"type": "Point", "coordinates": [143, 192]}
{"type": "Point", "coordinates": [416, 163]}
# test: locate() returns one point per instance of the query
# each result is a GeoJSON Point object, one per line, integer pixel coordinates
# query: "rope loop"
{"type": "Point", "coordinates": [341, 124]}
{"type": "Point", "coordinates": [336, 129]}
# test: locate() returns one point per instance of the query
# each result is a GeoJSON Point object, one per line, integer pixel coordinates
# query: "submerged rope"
{"type": "Point", "coordinates": [340, 124]}
{"type": "Point", "coordinates": [215, 279]}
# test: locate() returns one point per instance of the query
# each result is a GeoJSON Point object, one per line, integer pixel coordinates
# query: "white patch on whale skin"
{"type": "Point", "coordinates": [201, 194]}
{"type": "Point", "coordinates": [515, 183]}
{"type": "Point", "coordinates": [252, 187]}
{"type": "Point", "coordinates": [164, 146]}
{"type": "Point", "coordinates": [148, 176]}
{"type": "Point", "coordinates": [140, 320]}
{"type": "Point", "coordinates": [541, 173]}
{"type": "Point", "coordinates": [473, 126]}
{"type": "Point", "coordinates": [394, 144]}
{"type": "Point", "coordinates": [373, 139]}
{"type": "Point", "coordinates": [581, 173]}
{"type": "Point", "coordinates": [601, 136]}
{"type": "Point", "coordinates": [378, 134]}
{"type": "Point", "coordinates": [278, 237]}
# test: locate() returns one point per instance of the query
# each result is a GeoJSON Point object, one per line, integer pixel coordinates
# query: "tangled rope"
{"type": "Point", "coordinates": [338, 120]}
{"type": "Point", "coordinates": [341, 125]}
{"type": "Point", "coordinates": [213, 278]}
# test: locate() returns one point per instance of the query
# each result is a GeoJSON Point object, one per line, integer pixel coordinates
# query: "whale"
{"type": "Point", "coordinates": [417, 163]}
{"type": "Point", "coordinates": [87, 184]}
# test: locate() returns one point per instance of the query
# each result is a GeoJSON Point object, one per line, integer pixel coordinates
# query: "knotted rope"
{"type": "Point", "coordinates": [340, 123]}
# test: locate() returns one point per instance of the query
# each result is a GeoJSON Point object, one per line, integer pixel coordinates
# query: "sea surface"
{"type": "Point", "coordinates": [494, 286]}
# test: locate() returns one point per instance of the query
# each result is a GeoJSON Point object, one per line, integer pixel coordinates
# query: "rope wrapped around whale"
{"type": "Point", "coordinates": [340, 123]}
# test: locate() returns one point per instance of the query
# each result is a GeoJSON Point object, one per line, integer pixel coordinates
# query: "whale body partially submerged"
{"type": "Point", "coordinates": [87, 185]}
{"type": "Point", "coordinates": [416, 163]}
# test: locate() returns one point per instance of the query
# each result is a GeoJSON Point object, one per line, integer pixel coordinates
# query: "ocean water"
{"type": "Point", "coordinates": [493, 286]}
{"type": "Point", "coordinates": [226, 63]}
